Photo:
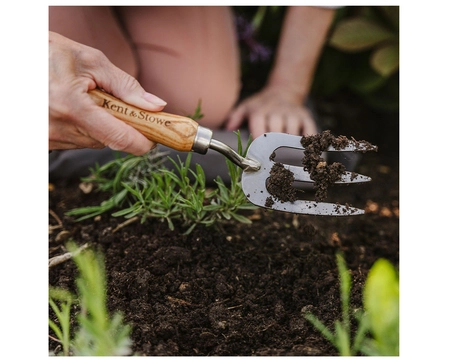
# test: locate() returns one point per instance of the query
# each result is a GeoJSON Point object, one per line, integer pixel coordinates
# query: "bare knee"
{"type": "Point", "coordinates": [195, 59]}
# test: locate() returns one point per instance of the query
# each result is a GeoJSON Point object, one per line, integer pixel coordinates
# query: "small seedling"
{"type": "Point", "coordinates": [62, 312]}
{"type": "Point", "coordinates": [97, 334]}
{"type": "Point", "coordinates": [378, 325]}
{"type": "Point", "coordinates": [341, 338]}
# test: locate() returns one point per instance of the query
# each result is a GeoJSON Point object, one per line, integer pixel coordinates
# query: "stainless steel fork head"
{"type": "Point", "coordinates": [254, 183]}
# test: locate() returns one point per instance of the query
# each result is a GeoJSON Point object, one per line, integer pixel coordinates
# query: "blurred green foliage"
{"type": "Point", "coordinates": [382, 304]}
{"type": "Point", "coordinates": [361, 54]}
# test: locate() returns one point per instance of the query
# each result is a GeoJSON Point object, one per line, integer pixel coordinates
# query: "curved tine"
{"type": "Point", "coordinates": [263, 146]}
{"type": "Point", "coordinates": [315, 208]}
{"type": "Point", "coordinates": [347, 178]}
{"type": "Point", "coordinates": [352, 177]}
{"type": "Point", "coordinates": [277, 140]}
{"type": "Point", "coordinates": [254, 187]}
{"type": "Point", "coordinates": [299, 173]}
{"type": "Point", "coordinates": [273, 141]}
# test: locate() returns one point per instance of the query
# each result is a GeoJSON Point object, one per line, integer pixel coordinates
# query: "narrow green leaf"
{"type": "Point", "coordinates": [241, 218]}
{"type": "Point", "coordinates": [247, 206]}
{"type": "Point", "coordinates": [361, 331]}
{"type": "Point", "coordinates": [321, 327]}
{"type": "Point", "coordinates": [170, 223]}
{"type": "Point", "coordinates": [117, 198]}
{"type": "Point", "coordinates": [212, 207]}
{"type": "Point", "coordinates": [226, 215]}
{"type": "Point", "coordinates": [342, 339]}
{"type": "Point", "coordinates": [56, 330]}
{"type": "Point", "coordinates": [190, 229]}
{"type": "Point", "coordinates": [345, 288]}
{"type": "Point", "coordinates": [131, 210]}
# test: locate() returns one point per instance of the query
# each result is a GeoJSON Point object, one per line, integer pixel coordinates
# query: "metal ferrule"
{"type": "Point", "coordinates": [203, 141]}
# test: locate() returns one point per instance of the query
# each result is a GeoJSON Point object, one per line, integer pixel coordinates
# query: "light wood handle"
{"type": "Point", "coordinates": [174, 131]}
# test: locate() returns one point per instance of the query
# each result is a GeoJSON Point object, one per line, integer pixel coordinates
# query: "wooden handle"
{"type": "Point", "coordinates": [174, 131]}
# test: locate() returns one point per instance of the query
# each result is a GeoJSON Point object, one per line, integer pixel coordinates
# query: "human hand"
{"type": "Point", "coordinates": [273, 109]}
{"type": "Point", "coordinates": [75, 121]}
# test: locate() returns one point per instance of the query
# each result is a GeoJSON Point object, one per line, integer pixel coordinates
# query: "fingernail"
{"type": "Point", "coordinates": [154, 99]}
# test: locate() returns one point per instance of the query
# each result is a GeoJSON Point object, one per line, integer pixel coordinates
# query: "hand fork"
{"type": "Point", "coordinates": [184, 134]}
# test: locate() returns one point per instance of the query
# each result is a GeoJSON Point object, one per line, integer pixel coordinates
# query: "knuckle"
{"type": "Point", "coordinates": [91, 57]}
{"type": "Point", "coordinates": [129, 83]}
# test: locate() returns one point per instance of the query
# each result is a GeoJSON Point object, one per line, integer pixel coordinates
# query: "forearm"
{"type": "Point", "coordinates": [302, 38]}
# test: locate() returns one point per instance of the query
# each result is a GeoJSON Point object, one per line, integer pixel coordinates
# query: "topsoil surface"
{"type": "Point", "coordinates": [243, 289]}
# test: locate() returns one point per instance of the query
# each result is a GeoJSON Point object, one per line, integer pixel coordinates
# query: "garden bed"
{"type": "Point", "coordinates": [243, 289]}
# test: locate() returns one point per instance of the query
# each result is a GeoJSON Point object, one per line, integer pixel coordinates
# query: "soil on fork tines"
{"type": "Point", "coordinates": [244, 289]}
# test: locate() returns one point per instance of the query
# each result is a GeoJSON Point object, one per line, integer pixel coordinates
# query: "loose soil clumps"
{"type": "Point", "coordinates": [321, 173]}
{"type": "Point", "coordinates": [280, 185]}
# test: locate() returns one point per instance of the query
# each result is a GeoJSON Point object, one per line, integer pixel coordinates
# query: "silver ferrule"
{"type": "Point", "coordinates": [202, 140]}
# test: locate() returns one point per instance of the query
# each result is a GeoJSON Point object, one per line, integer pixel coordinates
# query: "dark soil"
{"type": "Point", "coordinates": [243, 289]}
{"type": "Point", "coordinates": [280, 184]}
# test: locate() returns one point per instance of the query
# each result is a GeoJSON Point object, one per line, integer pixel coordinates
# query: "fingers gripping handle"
{"type": "Point", "coordinates": [177, 132]}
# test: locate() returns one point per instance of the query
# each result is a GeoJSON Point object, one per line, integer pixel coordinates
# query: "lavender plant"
{"type": "Point", "coordinates": [255, 51]}
{"type": "Point", "coordinates": [141, 186]}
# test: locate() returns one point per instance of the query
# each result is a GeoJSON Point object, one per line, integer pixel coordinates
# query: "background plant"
{"type": "Point", "coordinates": [377, 332]}
{"type": "Point", "coordinates": [360, 56]}
{"type": "Point", "coordinates": [98, 334]}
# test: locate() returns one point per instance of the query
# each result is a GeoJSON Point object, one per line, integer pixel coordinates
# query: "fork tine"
{"type": "Point", "coordinates": [254, 187]}
{"type": "Point", "coordinates": [347, 178]}
{"type": "Point", "coordinates": [352, 177]}
{"type": "Point", "coordinates": [273, 141]}
{"type": "Point", "coordinates": [353, 146]}
{"type": "Point", "coordinates": [307, 207]}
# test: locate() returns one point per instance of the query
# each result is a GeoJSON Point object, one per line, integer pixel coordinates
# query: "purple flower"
{"type": "Point", "coordinates": [246, 35]}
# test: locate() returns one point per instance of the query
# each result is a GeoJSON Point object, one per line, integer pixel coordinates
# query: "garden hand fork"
{"type": "Point", "coordinates": [184, 134]}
